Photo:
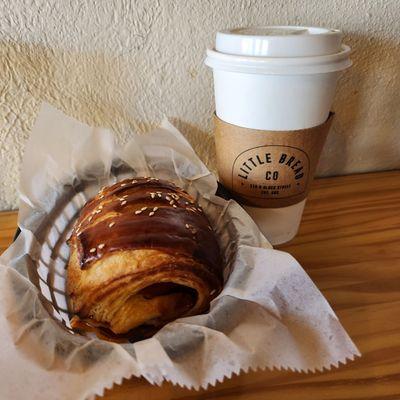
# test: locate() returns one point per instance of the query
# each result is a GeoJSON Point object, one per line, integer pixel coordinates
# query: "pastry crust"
{"type": "Point", "coordinates": [142, 254]}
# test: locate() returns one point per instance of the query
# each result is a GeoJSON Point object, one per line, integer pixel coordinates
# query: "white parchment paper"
{"type": "Point", "coordinates": [269, 314]}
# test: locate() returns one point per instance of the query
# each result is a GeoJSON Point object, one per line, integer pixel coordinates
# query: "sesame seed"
{"type": "Point", "coordinates": [92, 250]}
{"type": "Point", "coordinates": [174, 205]}
{"type": "Point", "coordinates": [110, 225]}
{"type": "Point", "coordinates": [155, 208]}
{"type": "Point", "coordinates": [123, 184]}
{"type": "Point", "coordinates": [134, 181]}
{"type": "Point", "coordinates": [175, 196]}
{"type": "Point", "coordinates": [123, 203]}
{"type": "Point", "coordinates": [125, 196]}
{"type": "Point", "coordinates": [151, 213]}
{"type": "Point", "coordinates": [168, 198]}
{"type": "Point", "coordinates": [159, 194]}
{"type": "Point", "coordinates": [144, 208]}
{"type": "Point", "coordinates": [152, 195]}
{"type": "Point", "coordinates": [172, 202]}
{"type": "Point", "coordinates": [98, 211]}
{"type": "Point", "coordinates": [101, 246]}
{"type": "Point", "coordinates": [138, 212]}
{"type": "Point", "coordinates": [78, 233]}
{"type": "Point", "coordinates": [101, 196]}
{"type": "Point", "coordinates": [186, 203]}
{"type": "Point", "coordinates": [90, 218]}
{"type": "Point", "coordinates": [209, 227]}
{"type": "Point", "coordinates": [187, 226]}
{"type": "Point", "coordinates": [100, 206]}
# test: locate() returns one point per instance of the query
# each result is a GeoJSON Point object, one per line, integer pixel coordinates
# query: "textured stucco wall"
{"type": "Point", "coordinates": [124, 64]}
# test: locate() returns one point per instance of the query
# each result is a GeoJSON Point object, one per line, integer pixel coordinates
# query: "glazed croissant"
{"type": "Point", "coordinates": [142, 254]}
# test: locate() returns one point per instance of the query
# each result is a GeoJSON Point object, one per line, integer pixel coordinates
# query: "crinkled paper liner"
{"type": "Point", "coordinates": [269, 314]}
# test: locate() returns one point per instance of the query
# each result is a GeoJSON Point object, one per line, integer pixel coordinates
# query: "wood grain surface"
{"type": "Point", "coordinates": [349, 243]}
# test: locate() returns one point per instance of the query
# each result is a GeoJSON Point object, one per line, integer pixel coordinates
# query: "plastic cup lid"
{"type": "Point", "coordinates": [279, 41]}
{"type": "Point", "coordinates": [279, 50]}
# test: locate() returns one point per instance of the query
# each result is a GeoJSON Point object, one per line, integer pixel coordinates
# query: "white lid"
{"type": "Point", "coordinates": [279, 50]}
{"type": "Point", "coordinates": [279, 41]}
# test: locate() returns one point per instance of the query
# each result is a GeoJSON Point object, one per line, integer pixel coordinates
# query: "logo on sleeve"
{"type": "Point", "coordinates": [273, 171]}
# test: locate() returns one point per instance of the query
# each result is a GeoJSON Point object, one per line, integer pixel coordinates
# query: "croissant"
{"type": "Point", "coordinates": [142, 253]}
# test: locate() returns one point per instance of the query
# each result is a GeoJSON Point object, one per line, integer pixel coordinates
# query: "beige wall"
{"type": "Point", "coordinates": [125, 65]}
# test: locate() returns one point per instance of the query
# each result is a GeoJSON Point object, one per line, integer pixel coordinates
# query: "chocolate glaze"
{"type": "Point", "coordinates": [172, 222]}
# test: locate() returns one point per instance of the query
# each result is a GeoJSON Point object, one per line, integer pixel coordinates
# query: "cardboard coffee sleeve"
{"type": "Point", "coordinates": [268, 169]}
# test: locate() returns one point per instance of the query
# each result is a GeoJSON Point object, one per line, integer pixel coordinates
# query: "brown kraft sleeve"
{"type": "Point", "coordinates": [268, 169]}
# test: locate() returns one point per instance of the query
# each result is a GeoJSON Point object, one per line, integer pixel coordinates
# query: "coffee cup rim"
{"type": "Point", "coordinates": [280, 65]}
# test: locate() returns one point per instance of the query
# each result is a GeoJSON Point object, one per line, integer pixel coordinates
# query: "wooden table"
{"type": "Point", "coordinates": [349, 243]}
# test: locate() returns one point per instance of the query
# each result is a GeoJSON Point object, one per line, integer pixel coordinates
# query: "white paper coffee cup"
{"type": "Point", "coordinates": [278, 78]}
